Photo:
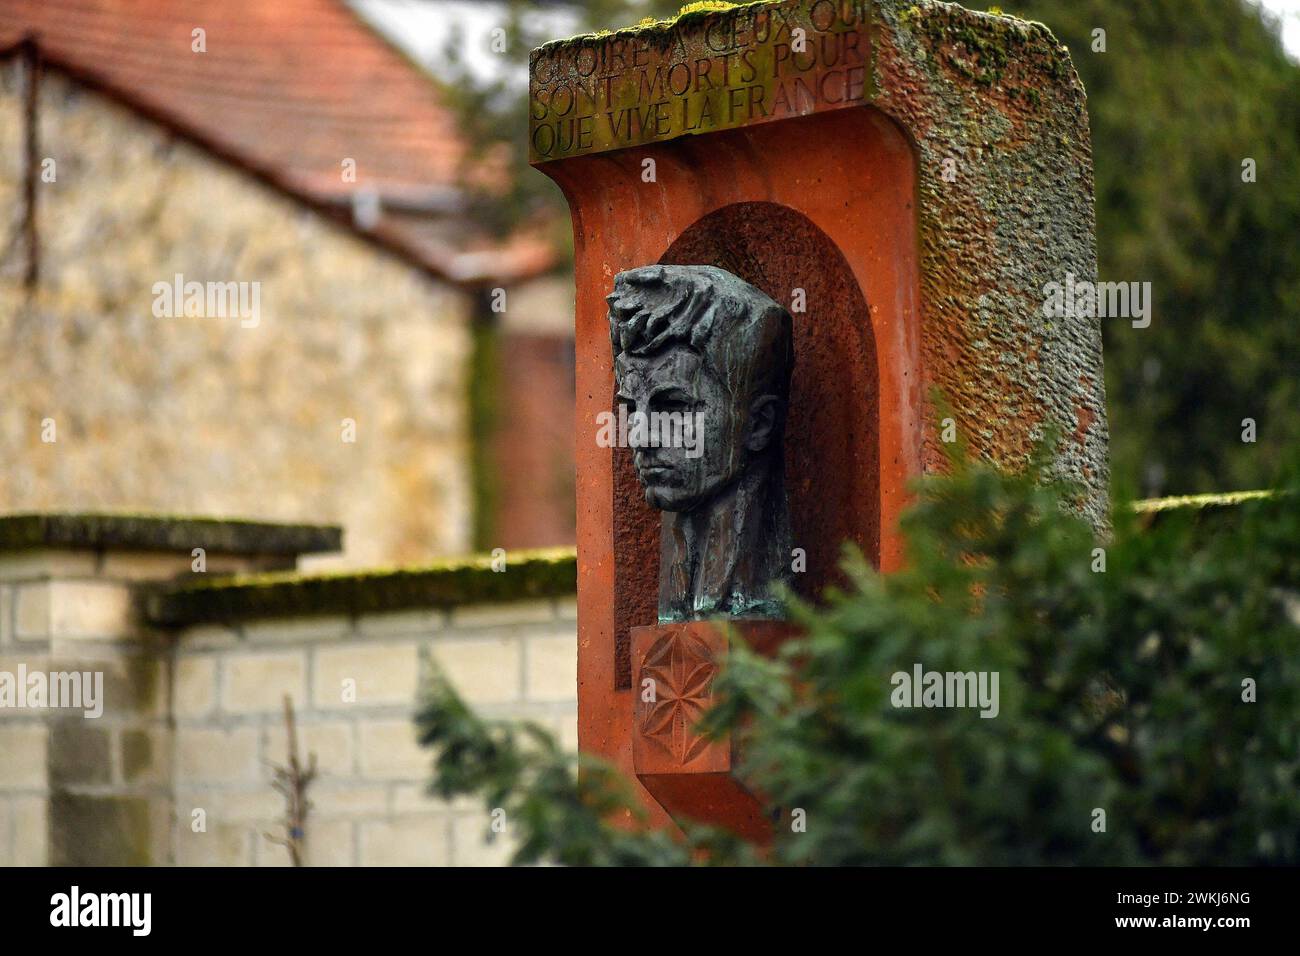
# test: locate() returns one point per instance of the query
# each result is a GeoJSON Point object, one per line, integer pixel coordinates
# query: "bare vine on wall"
{"type": "Point", "coordinates": [291, 781]}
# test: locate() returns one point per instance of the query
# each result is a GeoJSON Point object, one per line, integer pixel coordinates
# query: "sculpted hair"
{"type": "Point", "coordinates": [738, 330]}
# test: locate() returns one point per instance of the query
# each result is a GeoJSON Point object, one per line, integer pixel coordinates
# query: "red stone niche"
{"type": "Point", "coordinates": [824, 203]}
{"type": "Point", "coordinates": [832, 434]}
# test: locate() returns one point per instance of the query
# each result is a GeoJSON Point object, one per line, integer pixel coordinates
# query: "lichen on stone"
{"type": "Point", "coordinates": [525, 575]}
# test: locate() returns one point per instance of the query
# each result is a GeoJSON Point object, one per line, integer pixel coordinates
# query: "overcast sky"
{"type": "Point", "coordinates": [421, 25]}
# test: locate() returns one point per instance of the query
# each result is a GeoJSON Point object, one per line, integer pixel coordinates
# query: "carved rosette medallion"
{"type": "Point", "coordinates": [682, 668]}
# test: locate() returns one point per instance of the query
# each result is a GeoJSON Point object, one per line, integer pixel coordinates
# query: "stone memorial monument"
{"type": "Point", "coordinates": [800, 221]}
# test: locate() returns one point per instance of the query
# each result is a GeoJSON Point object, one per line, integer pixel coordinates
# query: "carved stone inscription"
{"type": "Point", "coordinates": [704, 73]}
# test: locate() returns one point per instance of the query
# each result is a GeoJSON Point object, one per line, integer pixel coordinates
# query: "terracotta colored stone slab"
{"type": "Point", "coordinates": [689, 775]}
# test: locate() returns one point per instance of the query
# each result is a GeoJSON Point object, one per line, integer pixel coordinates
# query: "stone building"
{"type": "Point", "coordinates": [287, 153]}
{"type": "Point", "coordinates": [237, 279]}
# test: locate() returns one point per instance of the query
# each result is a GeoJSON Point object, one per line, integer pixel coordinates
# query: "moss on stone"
{"type": "Point", "coordinates": [1201, 502]}
{"type": "Point", "coordinates": [158, 532]}
{"type": "Point", "coordinates": [528, 574]}
{"type": "Point", "coordinates": [657, 28]}
{"type": "Point", "coordinates": [988, 42]}
{"type": "Point", "coordinates": [710, 5]}
{"type": "Point", "coordinates": [92, 830]}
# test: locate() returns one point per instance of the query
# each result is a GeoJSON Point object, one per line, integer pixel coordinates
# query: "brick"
{"type": "Point", "coordinates": [80, 685]}
{"type": "Point", "coordinates": [89, 609]}
{"type": "Point", "coordinates": [349, 801]}
{"type": "Point", "coordinates": [257, 682]}
{"type": "Point", "coordinates": [195, 689]}
{"type": "Point", "coordinates": [502, 615]}
{"type": "Point", "coordinates": [296, 630]}
{"type": "Point", "coordinates": [415, 798]}
{"type": "Point", "coordinates": [389, 751]}
{"type": "Point", "coordinates": [209, 637]}
{"type": "Point", "coordinates": [134, 685]}
{"type": "Point", "coordinates": [401, 623]}
{"type": "Point", "coordinates": [30, 830]}
{"type": "Point", "coordinates": [79, 753]}
{"type": "Point", "coordinates": [384, 674]}
{"type": "Point", "coordinates": [24, 762]}
{"type": "Point", "coordinates": [6, 615]}
{"type": "Point", "coordinates": [263, 806]}
{"type": "Point", "coordinates": [146, 756]}
{"type": "Point", "coordinates": [223, 844]}
{"type": "Point", "coordinates": [330, 742]}
{"type": "Point", "coordinates": [45, 564]}
{"type": "Point", "coordinates": [10, 674]}
{"type": "Point", "coordinates": [331, 843]}
{"type": "Point", "coordinates": [106, 830]}
{"type": "Point", "coordinates": [216, 756]}
{"type": "Point", "coordinates": [32, 612]}
{"type": "Point", "coordinates": [469, 834]}
{"type": "Point", "coordinates": [551, 672]}
{"type": "Point", "coordinates": [405, 841]}
{"type": "Point", "coordinates": [482, 671]}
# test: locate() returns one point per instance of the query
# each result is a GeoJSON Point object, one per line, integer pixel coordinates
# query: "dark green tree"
{"type": "Point", "coordinates": [1185, 92]}
{"type": "Point", "coordinates": [1153, 676]}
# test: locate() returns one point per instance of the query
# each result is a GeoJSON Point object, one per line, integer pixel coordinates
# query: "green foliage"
{"type": "Point", "coordinates": [1119, 689]}
{"type": "Point", "coordinates": [564, 817]}
{"type": "Point", "coordinates": [1185, 91]}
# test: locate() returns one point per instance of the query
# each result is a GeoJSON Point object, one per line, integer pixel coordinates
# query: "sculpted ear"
{"type": "Point", "coordinates": [764, 416]}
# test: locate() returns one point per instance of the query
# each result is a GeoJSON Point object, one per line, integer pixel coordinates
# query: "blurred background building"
{"type": "Point", "coordinates": [292, 146]}
{"type": "Point", "coordinates": [364, 164]}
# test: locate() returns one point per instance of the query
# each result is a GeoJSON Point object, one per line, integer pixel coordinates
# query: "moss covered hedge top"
{"type": "Point", "coordinates": [524, 575]}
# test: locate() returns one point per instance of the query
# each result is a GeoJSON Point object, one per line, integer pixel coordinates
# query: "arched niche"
{"type": "Point", "coordinates": [832, 436]}
{"type": "Point", "coordinates": [745, 203]}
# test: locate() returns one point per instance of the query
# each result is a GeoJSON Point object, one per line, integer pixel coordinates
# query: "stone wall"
{"type": "Point", "coordinates": [178, 769]}
{"type": "Point", "coordinates": [201, 414]}
{"type": "Point", "coordinates": [369, 803]}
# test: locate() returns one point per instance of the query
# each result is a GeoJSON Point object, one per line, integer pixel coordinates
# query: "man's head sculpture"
{"type": "Point", "coordinates": [706, 358]}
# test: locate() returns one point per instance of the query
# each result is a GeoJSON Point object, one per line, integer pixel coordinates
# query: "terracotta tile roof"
{"type": "Point", "coordinates": [286, 88]}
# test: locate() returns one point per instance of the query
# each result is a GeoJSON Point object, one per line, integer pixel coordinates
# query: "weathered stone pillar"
{"type": "Point", "coordinates": [906, 178]}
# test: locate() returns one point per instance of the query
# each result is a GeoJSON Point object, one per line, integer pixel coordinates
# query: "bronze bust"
{"type": "Point", "coordinates": [699, 345]}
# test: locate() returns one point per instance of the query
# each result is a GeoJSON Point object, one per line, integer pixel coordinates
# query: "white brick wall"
{"type": "Point", "coordinates": [354, 685]}
{"type": "Point", "coordinates": [29, 821]}
{"type": "Point", "coordinates": [257, 681]}
{"type": "Point", "coordinates": [194, 727]}
{"type": "Point", "coordinates": [23, 766]}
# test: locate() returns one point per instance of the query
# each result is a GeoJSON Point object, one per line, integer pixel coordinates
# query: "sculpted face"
{"type": "Point", "coordinates": [697, 344]}
{"type": "Point", "coordinates": [676, 380]}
